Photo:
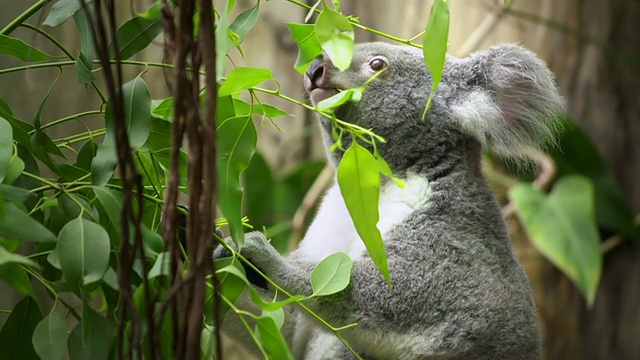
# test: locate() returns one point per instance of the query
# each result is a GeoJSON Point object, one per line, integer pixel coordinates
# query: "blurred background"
{"type": "Point", "coordinates": [593, 47]}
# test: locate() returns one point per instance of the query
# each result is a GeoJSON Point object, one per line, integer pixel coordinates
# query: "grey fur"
{"type": "Point", "coordinates": [458, 291]}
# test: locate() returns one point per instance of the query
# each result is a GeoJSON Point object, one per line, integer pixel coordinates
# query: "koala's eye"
{"type": "Point", "coordinates": [378, 63]}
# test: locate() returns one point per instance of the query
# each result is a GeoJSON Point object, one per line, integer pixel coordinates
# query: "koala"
{"type": "Point", "coordinates": [458, 290]}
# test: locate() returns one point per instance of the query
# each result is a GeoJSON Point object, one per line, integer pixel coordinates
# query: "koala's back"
{"type": "Point", "coordinates": [458, 291]}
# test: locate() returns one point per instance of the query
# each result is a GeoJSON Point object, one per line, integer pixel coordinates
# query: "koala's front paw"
{"type": "Point", "coordinates": [257, 250]}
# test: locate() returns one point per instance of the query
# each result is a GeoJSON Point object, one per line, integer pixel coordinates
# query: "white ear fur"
{"type": "Point", "coordinates": [513, 102]}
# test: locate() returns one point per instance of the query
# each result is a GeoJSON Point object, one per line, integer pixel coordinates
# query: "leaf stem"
{"type": "Point", "coordinates": [46, 284]}
{"type": "Point", "coordinates": [362, 27]}
{"type": "Point", "coordinates": [286, 293]}
{"type": "Point", "coordinates": [68, 118]}
{"type": "Point", "coordinates": [23, 17]}
{"type": "Point", "coordinates": [65, 51]}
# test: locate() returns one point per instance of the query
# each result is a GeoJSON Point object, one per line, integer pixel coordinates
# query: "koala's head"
{"type": "Point", "coordinates": [504, 98]}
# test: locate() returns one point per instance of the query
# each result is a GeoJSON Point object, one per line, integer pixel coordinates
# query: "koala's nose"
{"type": "Point", "coordinates": [315, 74]}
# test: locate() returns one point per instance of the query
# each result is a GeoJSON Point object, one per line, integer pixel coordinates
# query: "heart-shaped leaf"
{"type": "Point", "coordinates": [562, 227]}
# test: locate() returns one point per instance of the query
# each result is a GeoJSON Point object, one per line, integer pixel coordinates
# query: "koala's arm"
{"type": "Point", "coordinates": [434, 305]}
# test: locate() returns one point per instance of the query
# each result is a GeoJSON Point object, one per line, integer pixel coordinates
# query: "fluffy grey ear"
{"type": "Point", "coordinates": [506, 97]}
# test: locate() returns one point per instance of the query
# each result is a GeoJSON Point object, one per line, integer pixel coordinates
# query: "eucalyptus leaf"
{"type": "Point", "coordinates": [434, 46]}
{"type": "Point", "coordinates": [7, 257]}
{"type": "Point", "coordinates": [236, 141]}
{"type": "Point", "coordinates": [16, 334]}
{"type": "Point", "coordinates": [272, 305]}
{"type": "Point", "coordinates": [92, 343]}
{"type": "Point", "coordinates": [341, 98]}
{"type": "Point", "coordinates": [562, 227]}
{"type": "Point", "coordinates": [272, 339]}
{"type": "Point", "coordinates": [18, 224]}
{"type": "Point", "coordinates": [359, 181]}
{"type": "Point", "coordinates": [14, 275]}
{"type": "Point", "coordinates": [331, 275]}
{"type": "Point", "coordinates": [137, 106]}
{"type": "Point", "coordinates": [576, 154]}
{"type": "Point", "coordinates": [242, 78]}
{"type": "Point", "coordinates": [335, 35]}
{"type": "Point", "coordinates": [6, 146]}
{"type": "Point", "coordinates": [50, 338]}
{"type": "Point", "coordinates": [14, 170]}
{"type": "Point", "coordinates": [245, 21]}
{"type": "Point", "coordinates": [61, 11]}
{"type": "Point", "coordinates": [17, 48]}
{"type": "Point", "coordinates": [308, 45]}
{"type": "Point", "coordinates": [83, 250]}
{"type": "Point", "coordinates": [135, 35]}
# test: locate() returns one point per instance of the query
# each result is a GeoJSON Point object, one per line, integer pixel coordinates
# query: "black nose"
{"type": "Point", "coordinates": [315, 72]}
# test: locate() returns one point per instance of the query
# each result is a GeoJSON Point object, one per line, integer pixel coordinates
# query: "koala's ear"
{"type": "Point", "coordinates": [506, 97]}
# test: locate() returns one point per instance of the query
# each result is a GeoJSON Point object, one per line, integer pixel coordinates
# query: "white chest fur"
{"type": "Point", "coordinates": [333, 231]}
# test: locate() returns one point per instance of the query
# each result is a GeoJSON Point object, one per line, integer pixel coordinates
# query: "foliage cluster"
{"type": "Point", "coordinates": [60, 210]}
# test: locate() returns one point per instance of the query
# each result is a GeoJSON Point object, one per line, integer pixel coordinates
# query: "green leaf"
{"type": "Point", "coordinates": [434, 47]}
{"type": "Point", "coordinates": [222, 39]}
{"type": "Point", "coordinates": [308, 45]}
{"type": "Point", "coordinates": [85, 30]}
{"type": "Point", "coordinates": [21, 135]}
{"type": "Point", "coordinates": [245, 21]}
{"type": "Point", "coordinates": [161, 266]}
{"type": "Point", "coordinates": [562, 227]}
{"type": "Point", "coordinates": [335, 35]}
{"type": "Point", "coordinates": [15, 336]}
{"type": "Point", "coordinates": [83, 70]}
{"type": "Point", "coordinates": [18, 224]}
{"type": "Point", "coordinates": [341, 98]}
{"type": "Point", "coordinates": [242, 78]}
{"type": "Point", "coordinates": [576, 154]}
{"type": "Point", "coordinates": [14, 275]}
{"type": "Point", "coordinates": [6, 147]}
{"type": "Point", "coordinates": [137, 106]}
{"type": "Point", "coordinates": [331, 275]}
{"type": "Point", "coordinates": [41, 140]}
{"type": "Point", "coordinates": [15, 169]}
{"type": "Point", "coordinates": [50, 337]}
{"type": "Point", "coordinates": [61, 11]}
{"type": "Point", "coordinates": [164, 110]}
{"type": "Point", "coordinates": [135, 35]}
{"type": "Point", "coordinates": [359, 181]}
{"type": "Point", "coordinates": [232, 280]}
{"type": "Point", "coordinates": [272, 339]}
{"type": "Point", "coordinates": [386, 171]}
{"type": "Point", "coordinates": [13, 193]}
{"type": "Point", "coordinates": [270, 111]}
{"type": "Point", "coordinates": [95, 343]}
{"type": "Point", "coordinates": [7, 257]}
{"type": "Point", "coordinates": [259, 192]}
{"type": "Point", "coordinates": [137, 102]}
{"type": "Point", "coordinates": [17, 48]}
{"type": "Point", "coordinates": [236, 141]}
{"type": "Point", "coordinates": [272, 305]}
{"type": "Point", "coordinates": [83, 249]}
